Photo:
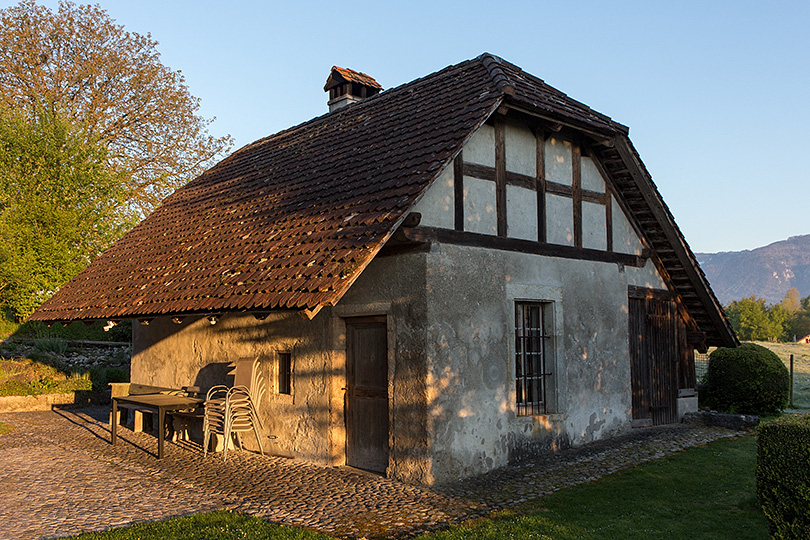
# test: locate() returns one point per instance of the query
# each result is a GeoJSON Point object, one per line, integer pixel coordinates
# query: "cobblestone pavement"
{"type": "Point", "coordinates": [60, 476]}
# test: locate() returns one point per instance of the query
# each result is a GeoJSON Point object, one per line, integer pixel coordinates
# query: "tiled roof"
{"type": "Point", "coordinates": [351, 75]}
{"type": "Point", "coordinates": [290, 221]}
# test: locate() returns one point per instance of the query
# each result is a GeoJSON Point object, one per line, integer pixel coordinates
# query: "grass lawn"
{"type": "Point", "coordinates": [213, 525]}
{"type": "Point", "coordinates": [705, 492]}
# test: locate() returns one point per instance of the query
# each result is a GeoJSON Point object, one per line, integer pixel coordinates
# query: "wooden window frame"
{"type": "Point", "coordinates": [284, 373]}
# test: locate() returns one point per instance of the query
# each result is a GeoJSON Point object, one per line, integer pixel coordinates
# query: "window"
{"type": "Point", "coordinates": [533, 357]}
{"type": "Point", "coordinates": [284, 373]}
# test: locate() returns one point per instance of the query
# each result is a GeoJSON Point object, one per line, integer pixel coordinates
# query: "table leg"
{"type": "Point", "coordinates": [114, 422]}
{"type": "Point", "coordinates": [161, 430]}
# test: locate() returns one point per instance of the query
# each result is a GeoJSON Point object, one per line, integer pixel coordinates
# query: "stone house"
{"type": "Point", "coordinates": [438, 278]}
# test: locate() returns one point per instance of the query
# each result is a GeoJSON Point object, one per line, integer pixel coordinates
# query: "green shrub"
{"type": "Point", "coordinates": [77, 331]}
{"type": "Point", "coordinates": [748, 379]}
{"type": "Point", "coordinates": [51, 344]}
{"type": "Point", "coordinates": [783, 475]}
{"type": "Point", "coordinates": [102, 376]}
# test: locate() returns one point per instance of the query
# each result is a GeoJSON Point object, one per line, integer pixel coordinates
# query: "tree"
{"type": "Point", "coordinates": [798, 325]}
{"type": "Point", "coordinates": [78, 64]}
{"type": "Point", "coordinates": [791, 302]}
{"type": "Point", "coordinates": [752, 320]}
{"type": "Point", "coordinates": [59, 206]}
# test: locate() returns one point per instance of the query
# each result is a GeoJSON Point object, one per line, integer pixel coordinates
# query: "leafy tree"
{"type": "Point", "coordinates": [791, 302]}
{"type": "Point", "coordinates": [78, 64]}
{"type": "Point", "coordinates": [798, 325]}
{"type": "Point", "coordinates": [59, 206]}
{"type": "Point", "coordinates": [752, 320]}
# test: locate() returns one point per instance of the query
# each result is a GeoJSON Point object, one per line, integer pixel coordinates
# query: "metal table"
{"type": "Point", "coordinates": [160, 403]}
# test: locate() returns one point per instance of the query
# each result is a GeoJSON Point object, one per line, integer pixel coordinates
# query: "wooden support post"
{"type": "Point", "coordinates": [791, 381]}
{"type": "Point", "coordinates": [576, 192]}
{"type": "Point", "coordinates": [500, 176]}
{"type": "Point", "coordinates": [458, 192]}
{"type": "Point", "coordinates": [540, 177]}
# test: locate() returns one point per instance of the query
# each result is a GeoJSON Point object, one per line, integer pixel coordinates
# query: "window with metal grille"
{"type": "Point", "coordinates": [533, 357]}
{"type": "Point", "coordinates": [284, 380]}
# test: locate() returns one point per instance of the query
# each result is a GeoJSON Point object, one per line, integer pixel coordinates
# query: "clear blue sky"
{"type": "Point", "coordinates": [716, 94]}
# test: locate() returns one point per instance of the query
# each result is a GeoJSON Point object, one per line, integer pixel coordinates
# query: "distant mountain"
{"type": "Point", "coordinates": [767, 272]}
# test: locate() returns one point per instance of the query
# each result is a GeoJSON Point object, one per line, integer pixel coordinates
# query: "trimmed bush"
{"type": "Point", "coordinates": [783, 476]}
{"type": "Point", "coordinates": [748, 379]}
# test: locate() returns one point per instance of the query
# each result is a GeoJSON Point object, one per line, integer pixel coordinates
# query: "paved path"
{"type": "Point", "coordinates": [60, 476]}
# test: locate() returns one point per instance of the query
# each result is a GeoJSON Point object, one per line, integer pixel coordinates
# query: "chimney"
{"type": "Point", "coordinates": [346, 86]}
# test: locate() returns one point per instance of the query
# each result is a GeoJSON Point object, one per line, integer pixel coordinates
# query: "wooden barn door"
{"type": "Point", "coordinates": [653, 357]}
{"type": "Point", "coordinates": [367, 394]}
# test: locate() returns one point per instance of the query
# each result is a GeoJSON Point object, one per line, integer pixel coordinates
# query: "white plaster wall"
{"type": "Point", "coordinates": [590, 177]}
{"type": "Point", "coordinates": [470, 356]}
{"type": "Point", "coordinates": [437, 204]}
{"type": "Point", "coordinates": [647, 277]}
{"type": "Point", "coordinates": [521, 149]}
{"type": "Point", "coordinates": [197, 353]}
{"type": "Point", "coordinates": [480, 149]}
{"type": "Point", "coordinates": [521, 213]}
{"type": "Point", "coordinates": [594, 234]}
{"type": "Point", "coordinates": [625, 239]}
{"type": "Point", "coordinates": [558, 160]}
{"type": "Point", "coordinates": [480, 206]}
{"type": "Point", "coordinates": [560, 220]}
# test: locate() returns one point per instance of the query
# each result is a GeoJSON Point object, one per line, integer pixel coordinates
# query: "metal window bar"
{"type": "Point", "coordinates": [532, 345]}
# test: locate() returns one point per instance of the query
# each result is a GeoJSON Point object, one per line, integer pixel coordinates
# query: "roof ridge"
{"type": "Point", "coordinates": [492, 64]}
{"type": "Point", "coordinates": [406, 86]}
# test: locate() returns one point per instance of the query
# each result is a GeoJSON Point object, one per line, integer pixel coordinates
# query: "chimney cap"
{"type": "Point", "coordinates": [340, 75]}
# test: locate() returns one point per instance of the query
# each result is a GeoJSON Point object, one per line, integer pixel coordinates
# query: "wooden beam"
{"type": "Point", "coordinates": [576, 192]}
{"type": "Point", "coordinates": [608, 219]}
{"type": "Point", "coordinates": [556, 188]}
{"type": "Point", "coordinates": [500, 175]}
{"type": "Point", "coordinates": [478, 171]}
{"type": "Point", "coordinates": [540, 177]}
{"type": "Point", "coordinates": [449, 236]}
{"type": "Point", "coordinates": [458, 191]}
{"type": "Point", "coordinates": [411, 220]}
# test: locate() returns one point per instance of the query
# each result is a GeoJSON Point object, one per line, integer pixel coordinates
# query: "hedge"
{"type": "Point", "coordinates": [783, 476]}
{"type": "Point", "coordinates": [748, 379]}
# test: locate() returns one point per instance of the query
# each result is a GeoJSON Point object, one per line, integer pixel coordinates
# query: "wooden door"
{"type": "Point", "coordinates": [367, 394]}
{"type": "Point", "coordinates": [654, 359]}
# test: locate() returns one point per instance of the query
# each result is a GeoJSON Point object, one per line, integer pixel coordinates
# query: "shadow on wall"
{"type": "Point", "coordinates": [214, 374]}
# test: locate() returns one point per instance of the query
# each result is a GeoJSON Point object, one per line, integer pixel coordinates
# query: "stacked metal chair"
{"type": "Point", "coordinates": [234, 411]}
{"type": "Point", "coordinates": [215, 415]}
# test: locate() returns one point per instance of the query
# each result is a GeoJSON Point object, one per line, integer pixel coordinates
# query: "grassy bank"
{"type": "Point", "coordinates": [53, 365]}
